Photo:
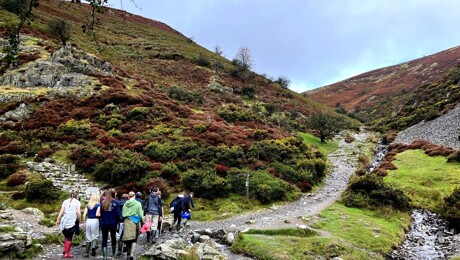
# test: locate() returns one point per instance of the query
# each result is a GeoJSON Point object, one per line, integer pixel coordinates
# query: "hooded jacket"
{"type": "Point", "coordinates": [132, 208]}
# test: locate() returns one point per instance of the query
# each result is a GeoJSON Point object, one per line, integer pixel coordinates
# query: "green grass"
{"type": "Point", "coordinates": [7, 229]}
{"type": "Point", "coordinates": [329, 147]}
{"type": "Point", "coordinates": [371, 230]}
{"type": "Point", "coordinates": [47, 207]}
{"type": "Point", "coordinates": [425, 179]}
{"type": "Point", "coordinates": [290, 246]}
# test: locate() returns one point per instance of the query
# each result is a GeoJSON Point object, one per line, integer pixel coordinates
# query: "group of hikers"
{"type": "Point", "coordinates": [124, 218]}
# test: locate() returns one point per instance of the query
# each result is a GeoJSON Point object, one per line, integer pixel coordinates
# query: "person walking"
{"type": "Point", "coordinates": [91, 223]}
{"type": "Point", "coordinates": [132, 214]}
{"type": "Point", "coordinates": [153, 207]}
{"type": "Point", "coordinates": [187, 202]}
{"type": "Point", "coordinates": [68, 220]}
{"type": "Point", "coordinates": [176, 208]}
{"type": "Point", "coordinates": [110, 217]}
{"type": "Point", "coordinates": [123, 200]}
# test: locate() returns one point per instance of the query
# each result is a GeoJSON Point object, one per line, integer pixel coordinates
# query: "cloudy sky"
{"type": "Point", "coordinates": [314, 42]}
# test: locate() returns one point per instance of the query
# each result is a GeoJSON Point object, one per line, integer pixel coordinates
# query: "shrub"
{"type": "Point", "coordinates": [181, 94]}
{"type": "Point", "coordinates": [266, 188]}
{"type": "Point", "coordinates": [451, 208]}
{"type": "Point", "coordinates": [160, 183]}
{"type": "Point", "coordinates": [160, 151]}
{"type": "Point", "coordinates": [233, 113]}
{"type": "Point", "coordinates": [138, 113]}
{"type": "Point", "coordinates": [205, 183]}
{"type": "Point", "coordinates": [86, 157]}
{"type": "Point", "coordinates": [236, 179]}
{"type": "Point", "coordinates": [203, 60]}
{"type": "Point", "coordinates": [259, 134]}
{"type": "Point", "coordinates": [122, 166]}
{"type": "Point", "coordinates": [248, 92]}
{"type": "Point", "coordinates": [369, 191]}
{"type": "Point", "coordinates": [18, 195]}
{"type": "Point", "coordinates": [199, 128]}
{"type": "Point", "coordinates": [170, 172]}
{"type": "Point", "coordinates": [231, 156]}
{"type": "Point", "coordinates": [283, 81]}
{"type": "Point", "coordinates": [76, 128]}
{"type": "Point", "coordinates": [8, 165]}
{"type": "Point", "coordinates": [61, 29]}
{"type": "Point", "coordinates": [454, 157]}
{"type": "Point", "coordinates": [16, 179]}
{"type": "Point", "coordinates": [41, 189]}
{"type": "Point", "coordinates": [14, 6]}
{"type": "Point", "coordinates": [316, 167]}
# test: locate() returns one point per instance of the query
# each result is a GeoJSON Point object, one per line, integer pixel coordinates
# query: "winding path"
{"type": "Point", "coordinates": [344, 163]}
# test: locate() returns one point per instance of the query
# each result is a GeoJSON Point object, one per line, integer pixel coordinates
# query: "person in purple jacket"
{"type": "Point", "coordinates": [110, 217]}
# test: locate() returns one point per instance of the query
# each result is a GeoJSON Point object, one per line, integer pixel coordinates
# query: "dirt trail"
{"type": "Point", "coordinates": [344, 163]}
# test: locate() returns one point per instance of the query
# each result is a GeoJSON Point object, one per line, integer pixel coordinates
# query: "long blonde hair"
{"type": "Point", "coordinates": [95, 199]}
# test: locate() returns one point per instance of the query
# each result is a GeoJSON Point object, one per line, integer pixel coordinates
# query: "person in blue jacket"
{"type": "Point", "coordinates": [110, 217]}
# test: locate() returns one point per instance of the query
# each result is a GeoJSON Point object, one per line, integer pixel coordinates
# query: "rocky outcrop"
{"type": "Point", "coordinates": [12, 237]}
{"type": "Point", "coordinates": [443, 130]}
{"type": "Point", "coordinates": [20, 113]}
{"type": "Point", "coordinates": [66, 68]}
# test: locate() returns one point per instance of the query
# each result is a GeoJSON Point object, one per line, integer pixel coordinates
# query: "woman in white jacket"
{"type": "Point", "coordinates": [67, 219]}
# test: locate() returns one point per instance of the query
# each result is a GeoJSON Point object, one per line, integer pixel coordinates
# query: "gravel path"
{"type": "Point", "coordinates": [443, 130]}
{"type": "Point", "coordinates": [344, 163]}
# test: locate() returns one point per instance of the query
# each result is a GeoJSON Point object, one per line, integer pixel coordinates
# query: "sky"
{"type": "Point", "coordinates": [313, 42]}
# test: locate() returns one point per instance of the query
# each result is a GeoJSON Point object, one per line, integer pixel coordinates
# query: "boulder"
{"type": "Point", "coordinates": [205, 251]}
{"type": "Point", "coordinates": [219, 234]}
{"type": "Point", "coordinates": [229, 239]}
{"type": "Point", "coordinates": [34, 212]}
{"type": "Point", "coordinates": [169, 250]}
{"type": "Point", "coordinates": [204, 239]}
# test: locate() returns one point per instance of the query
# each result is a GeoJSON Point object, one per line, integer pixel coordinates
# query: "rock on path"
{"type": "Point", "coordinates": [443, 130]}
{"type": "Point", "coordinates": [344, 163]}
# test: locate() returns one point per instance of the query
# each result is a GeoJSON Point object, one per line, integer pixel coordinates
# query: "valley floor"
{"type": "Point", "coordinates": [343, 163]}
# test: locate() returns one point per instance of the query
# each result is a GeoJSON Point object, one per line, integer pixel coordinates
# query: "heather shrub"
{"type": "Point", "coordinates": [160, 183]}
{"type": "Point", "coordinates": [260, 134]}
{"type": "Point", "coordinates": [236, 178]}
{"type": "Point", "coordinates": [124, 165]}
{"type": "Point", "coordinates": [231, 156]}
{"type": "Point", "coordinates": [86, 157]}
{"type": "Point", "coordinates": [161, 151]}
{"type": "Point", "coordinates": [199, 128]}
{"type": "Point", "coordinates": [266, 188]}
{"type": "Point", "coordinates": [138, 113]}
{"type": "Point", "coordinates": [454, 157]}
{"type": "Point", "coordinates": [451, 208]}
{"type": "Point", "coordinates": [203, 60]}
{"type": "Point", "coordinates": [77, 128]}
{"type": "Point", "coordinates": [16, 179]}
{"type": "Point", "coordinates": [287, 172]}
{"type": "Point", "coordinates": [170, 172]}
{"type": "Point", "coordinates": [181, 94]}
{"type": "Point", "coordinates": [41, 189]}
{"type": "Point", "coordinates": [111, 121]}
{"type": "Point", "coordinates": [8, 164]}
{"type": "Point", "coordinates": [369, 191]}
{"type": "Point", "coordinates": [233, 113]}
{"type": "Point", "coordinates": [205, 183]}
{"type": "Point", "coordinates": [317, 167]}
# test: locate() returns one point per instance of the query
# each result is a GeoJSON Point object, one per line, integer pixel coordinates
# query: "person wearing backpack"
{"type": "Point", "coordinates": [187, 202]}
{"type": "Point", "coordinates": [133, 215]}
{"type": "Point", "coordinates": [153, 206]}
{"type": "Point", "coordinates": [91, 223]}
{"type": "Point", "coordinates": [176, 208]}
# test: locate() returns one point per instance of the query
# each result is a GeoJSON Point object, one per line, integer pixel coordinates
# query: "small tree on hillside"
{"type": "Point", "coordinates": [244, 59]}
{"type": "Point", "coordinates": [218, 50]}
{"type": "Point", "coordinates": [60, 28]}
{"type": "Point", "coordinates": [283, 81]}
{"type": "Point", "coordinates": [326, 125]}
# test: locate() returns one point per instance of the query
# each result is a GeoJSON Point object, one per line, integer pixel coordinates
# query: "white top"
{"type": "Point", "coordinates": [71, 205]}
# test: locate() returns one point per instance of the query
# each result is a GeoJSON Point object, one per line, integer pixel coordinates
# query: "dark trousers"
{"type": "Point", "coordinates": [177, 218]}
{"type": "Point", "coordinates": [68, 233]}
{"type": "Point", "coordinates": [113, 235]}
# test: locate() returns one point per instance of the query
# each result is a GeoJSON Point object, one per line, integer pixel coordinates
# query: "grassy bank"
{"type": "Point", "coordinates": [329, 147]}
{"type": "Point", "coordinates": [348, 233]}
{"type": "Point", "coordinates": [425, 179]}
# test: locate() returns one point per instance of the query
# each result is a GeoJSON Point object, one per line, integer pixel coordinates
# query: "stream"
{"type": "Point", "coordinates": [429, 236]}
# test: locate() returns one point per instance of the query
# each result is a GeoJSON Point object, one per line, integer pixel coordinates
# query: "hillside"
{"type": "Point", "coordinates": [148, 106]}
{"type": "Point", "coordinates": [398, 96]}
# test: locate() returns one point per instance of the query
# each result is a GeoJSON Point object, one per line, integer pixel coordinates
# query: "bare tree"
{"type": "Point", "coordinates": [218, 50]}
{"type": "Point", "coordinates": [244, 58]}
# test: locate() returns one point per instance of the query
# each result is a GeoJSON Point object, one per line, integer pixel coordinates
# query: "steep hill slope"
{"type": "Point", "coordinates": [399, 96]}
{"type": "Point", "coordinates": [152, 108]}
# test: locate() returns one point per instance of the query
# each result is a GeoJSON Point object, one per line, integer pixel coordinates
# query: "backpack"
{"type": "Point", "coordinates": [153, 205]}
{"type": "Point", "coordinates": [173, 204]}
